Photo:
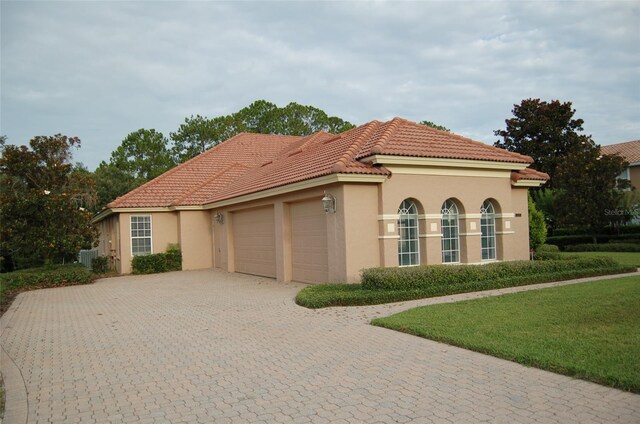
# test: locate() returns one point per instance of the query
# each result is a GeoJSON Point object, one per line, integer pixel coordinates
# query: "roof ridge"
{"type": "Point", "coordinates": [207, 181]}
{"type": "Point", "coordinates": [378, 147]}
{"type": "Point", "coordinates": [354, 148]}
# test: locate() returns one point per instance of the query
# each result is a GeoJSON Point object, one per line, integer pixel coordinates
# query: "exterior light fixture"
{"type": "Point", "coordinates": [219, 218]}
{"type": "Point", "coordinates": [329, 203]}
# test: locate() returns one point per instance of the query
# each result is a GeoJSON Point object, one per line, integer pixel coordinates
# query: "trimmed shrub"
{"type": "Point", "coordinates": [174, 258]}
{"type": "Point", "coordinates": [158, 262]}
{"type": "Point", "coordinates": [469, 277]}
{"type": "Point", "coordinates": [607, 247]}
{"type": "Point", "coordinates": [100, 264]}
{"type": "Point", "coordinates": [537, 226]}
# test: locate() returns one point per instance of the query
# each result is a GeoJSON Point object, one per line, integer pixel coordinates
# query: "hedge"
{"type": "Point", "coordinates": [563, 241]}
{"type": "Point", "coordinates": [171, 260]}
{"type": "Point", "coordinates": [479, 276]}
{"type": "Point", "coordinates": [607, 247]}
{"type": "Point", "coordinates": [623, 229]}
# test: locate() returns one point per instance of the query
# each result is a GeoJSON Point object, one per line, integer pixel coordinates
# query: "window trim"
{"type": "Point", "coordinates": [416, 233]}
{"type": "Point", "coordinates": [445, 215]}
{"type": "Point", "coordinates": [492, 236]}
{"type": "Point", "coordinates": [131, 237]}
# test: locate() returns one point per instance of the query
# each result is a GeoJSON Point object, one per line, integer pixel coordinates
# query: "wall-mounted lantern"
{"type": "Point", "coordinates": [329, 203]}
{"type": "Point", "coordinates": [219, 218]}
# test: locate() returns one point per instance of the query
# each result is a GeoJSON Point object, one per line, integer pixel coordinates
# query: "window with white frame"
{"type": "Point", "coordinates": [141, 235]}
{"type": "Point", "coordinates": [488, 229]}
{"type": "Point", "coordinates": [450, 233]}
{"type": "Point", "coordinates": [408, 245]}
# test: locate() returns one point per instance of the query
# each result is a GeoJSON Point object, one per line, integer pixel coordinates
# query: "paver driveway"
{"type": "Point", "coordinates": [208, 346]}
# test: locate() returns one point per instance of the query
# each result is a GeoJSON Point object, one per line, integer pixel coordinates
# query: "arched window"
{"type": "Point", "coordinates": [408, 245]}
{"type": "Point", "coordinates": [488, 227]}
{"type": "Point", "coordinates": [450, 232]}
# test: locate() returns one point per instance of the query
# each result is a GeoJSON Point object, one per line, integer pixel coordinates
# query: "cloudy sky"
{"type": "Point", "coordinates": [100, 70]}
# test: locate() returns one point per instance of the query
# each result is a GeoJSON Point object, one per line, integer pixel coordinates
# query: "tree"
{"type": "Point", "coordinates": [545, 200]}
{"type": "Point", "coordinates": [143, 155]}
{"type": "Point", "coordinates": [200, 133]}
{"type": "Point", "coordinates": [590, 188]}
{"type": "Point", "coordinates": [436, 126]}
{"type": "Point", "coordinates": [537, 227]}
{"type": "Point", "coordinates": [44, 203]}
{"type": "Point", "coordinates": [112, 182]}
{"type": "Point", "coordinates": [546, 131]}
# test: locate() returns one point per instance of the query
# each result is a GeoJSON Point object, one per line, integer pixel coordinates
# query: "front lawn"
{"type": "Point", "coordinates": [589, 330]}
{"type": "Point", "coordinates": [625, 258]}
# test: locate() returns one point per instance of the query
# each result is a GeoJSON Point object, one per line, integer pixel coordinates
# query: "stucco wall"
{"type": "Point", "coordinates": [164, 230]}
{"type": "Point", "coordinates": [195, 238]}
{"type": "Point", "coordinates": [361, 229]}
{"type": "Point", "coordinates": [469, 192]}
{"type": "Point", "coordinates": [634, 176]}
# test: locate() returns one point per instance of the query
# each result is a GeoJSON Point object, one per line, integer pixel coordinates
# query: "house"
{"type": "Point", "coordinates": [322, 207]}
{"type": "Point", "coordinates": [630, 151]}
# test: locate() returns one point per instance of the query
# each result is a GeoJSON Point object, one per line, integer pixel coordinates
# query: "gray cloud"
{"type": "Point", "coordinates": [100, 70]}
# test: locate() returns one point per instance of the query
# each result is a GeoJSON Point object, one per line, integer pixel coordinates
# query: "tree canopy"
{"type": "Point", "coordinates": [584, 183]}
{"type": "Point", "coordinates": [546, 131]}
{"type": "Point", "coordinates": [45, 203]}
{"type": "Point", "coordinates": [200, 133]}
{"type": "Point", "coordinates": [436, 126]}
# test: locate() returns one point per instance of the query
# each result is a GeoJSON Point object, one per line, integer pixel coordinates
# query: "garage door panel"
{"type": "Point", "coordinates": [254, 242]}
{"type": "Point", "coordinates": [309, 253]}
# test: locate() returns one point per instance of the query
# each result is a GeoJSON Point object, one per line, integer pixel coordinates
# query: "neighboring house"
{"type": "Point", "coordinates": [630, 151]}
{"type": "Point", "coordinates": [321, 208]}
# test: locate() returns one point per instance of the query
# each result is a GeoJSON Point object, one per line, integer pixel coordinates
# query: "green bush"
{"type": "Point", "coordinates": [607, 247]}
{"type": "Point", "coordinates": [174, 258]}
{"type": "Point", "coordinates": [100, 264]}
{"type": "Point", "coordinates": [537, 226]}
{"type": "Point", "coordinates": [466, 276]}
{"type": "Point", "coordinates": [171, 260]}
{"type": "Point", "coordinates": [547, 252]}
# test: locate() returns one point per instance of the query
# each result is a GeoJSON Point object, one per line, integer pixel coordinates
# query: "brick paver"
{"type": "Point", "coordinates": [207, 346]}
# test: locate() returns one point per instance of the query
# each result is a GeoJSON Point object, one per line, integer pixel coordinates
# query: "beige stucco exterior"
{"type": "Point", "coordinates": [362, 233]}
{"type": "Point", "coordinates": [634, 176]}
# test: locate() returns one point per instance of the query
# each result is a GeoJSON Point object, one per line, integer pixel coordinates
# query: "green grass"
{"type": "Point", "coordinates": [625, 258]}
{"type": "Point", "coordinates": [589, 330]}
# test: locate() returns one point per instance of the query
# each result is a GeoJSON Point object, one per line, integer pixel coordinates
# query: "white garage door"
{"type": "Point", "coordinates": [309, 254]}
{"type": "Point", "coordinates": [254, 242]}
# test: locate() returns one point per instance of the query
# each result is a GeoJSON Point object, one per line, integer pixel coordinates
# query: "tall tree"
{"type": "Point", "coordinates": [44, 203]}
{"type": "Point", "coordinates": [112, 182]}
{"type": "Point", "coordinates": [436, 126]}
{"type": "Point", "coordinates": [589, 188]}
{"type": "Point", "coordinates": [199, 133]}
{"type": "Point", "coordinates": [143, 155]}
{"type": "Point", "coordinates": [546, 131]}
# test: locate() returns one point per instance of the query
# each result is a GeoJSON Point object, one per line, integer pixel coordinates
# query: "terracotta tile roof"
{"type": "Point", "coordinates": [529, 174]}
{"type": "Point", "coordinates": [406, 138]}
{"type": "Point", "coordinates": [248, 163]}
{"type": "Point", "coordinates": [199, 178]}
{"type": "Point", "coordinates": [630, 150]}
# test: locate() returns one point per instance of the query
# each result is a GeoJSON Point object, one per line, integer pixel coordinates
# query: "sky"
{"type": "Point", "coordinates": [101, 70]}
